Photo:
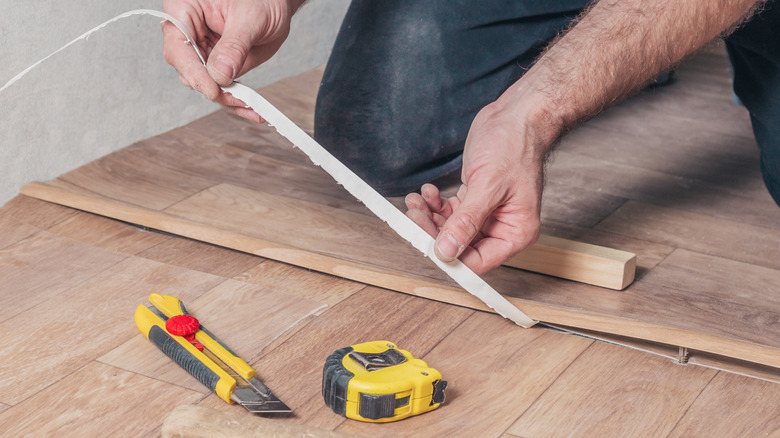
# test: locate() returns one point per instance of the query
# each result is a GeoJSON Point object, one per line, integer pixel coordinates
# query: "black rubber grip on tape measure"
{"type": "Point", "coordinates": [376, 406]}
{"type": "Point", "coordinates": [184, 358]}
{"type": "Point", "coordinates": [335, 381]}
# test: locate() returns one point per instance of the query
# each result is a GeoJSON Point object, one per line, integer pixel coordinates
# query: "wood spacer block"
{"type": "Point", "coordinates": [583, 262]}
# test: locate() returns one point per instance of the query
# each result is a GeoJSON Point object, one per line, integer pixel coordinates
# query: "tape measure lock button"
{"type": "Point", "coordinates": [378, 382]}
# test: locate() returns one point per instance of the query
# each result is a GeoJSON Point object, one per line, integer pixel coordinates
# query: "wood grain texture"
{"type": "Point", "coordinates": [698, 232]}
{"type": "Point", "coordinates": [211, 259]}
{"type": "Point", "coordinates": [37, 213]}
{"type": "Point", "coordinates": [594, 398]}
{"type": "Point", "coordinates": [293, 280]}
{"type": "Point", "coordinates": [34, 270]}
{"type": "Point", "coordinates": [485, 397]}
{"type": "Point", "coordinates": [244, 316]}
{"type": "Point", "coordinates": [578, 261]}
{"type": "Point", "coordinates": [732, 406]}
{"type": "Point", "coordinates": [95, 400]}
{"type": "Point", "coordinates": [649, 254]}
{"type": "Point", "coordinates": [15, 230]}
{"type": "Point", "coordinates": [657, 188]}
{"type": "Point", "coordinates": [131, 175]}
{"type": "Point", "coordinates": [100, 319]}
{"type": "Point", "coordinates": [190, 421]}
{"type": "Point", "coordinates": [107, 233]}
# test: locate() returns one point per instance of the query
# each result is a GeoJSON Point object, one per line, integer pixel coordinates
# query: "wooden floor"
{"type": "Point", "coordinates": [72, 362]}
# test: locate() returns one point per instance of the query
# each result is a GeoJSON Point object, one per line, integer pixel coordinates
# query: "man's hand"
{"type": "Point", "coordinates": [615, 48]}
{"type": "Point", "coordinates": [233, 35]}
{"type": "Point", "coordinates": [495, 213]}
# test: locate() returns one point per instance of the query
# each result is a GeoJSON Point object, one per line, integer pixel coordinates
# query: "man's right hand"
{"type": "Point", "coordinates": [234, 37]}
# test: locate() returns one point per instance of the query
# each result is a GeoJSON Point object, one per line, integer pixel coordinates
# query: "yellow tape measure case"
{"type": "Point", "coordinates": [378, 382]}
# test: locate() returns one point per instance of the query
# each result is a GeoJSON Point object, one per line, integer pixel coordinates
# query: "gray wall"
{"type": "Point", "coordinates": [113, 89]}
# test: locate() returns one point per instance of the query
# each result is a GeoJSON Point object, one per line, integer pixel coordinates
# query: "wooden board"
{"type": "Point", "coordinates": [239, 185]}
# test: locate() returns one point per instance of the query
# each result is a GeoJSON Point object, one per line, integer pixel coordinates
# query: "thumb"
{"type": "Point", "coordinates": [463, 225]}
{"type": "Point", "coordinates": [229, 54]}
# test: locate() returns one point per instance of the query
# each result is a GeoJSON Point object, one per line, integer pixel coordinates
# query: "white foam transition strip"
{"type": "Point", "coordinates": [375, 202]}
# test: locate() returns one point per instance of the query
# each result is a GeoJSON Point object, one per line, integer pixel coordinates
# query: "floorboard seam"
{"type": "Point", "coordinates": [541, 394]}
{"type": "Point", "coordinates": [688, 408]}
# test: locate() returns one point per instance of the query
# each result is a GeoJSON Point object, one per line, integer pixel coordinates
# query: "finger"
{"type": "Point", "coordinates": [430, 193]}
{"type": "Point", "coordinates": [228, 100]}
{"type": "Point", "coordinates": [229, 54]}
{"type": "Point", "coordinates": [487, 254]}
{"type": "Point", "coordinates": [424, 221]}
{"type": "Point", "coordinates": [439, 220]}
{"type": "Point", "coordinates": [414, 201]}
{"type": "Point", "coordinates": [237, 106]}
{"type": "Point", "coordinates": [180, 54]}
{"type": "Point", "coordinates": [246, 113]}
{"type": "Point", "coordinates": [465, 222]}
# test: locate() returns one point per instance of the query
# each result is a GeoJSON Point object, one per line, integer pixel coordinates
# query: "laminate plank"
{"type": "Point", "coordinates": [99, 319]}
{"type": "Point", "coordinates": [752, 285]}
{"type": "Point", "coordinates": [3, 408]}
{"type": "Point", "coordinates": [203, 257]}
{"type": "Point", "coordinates": [130, 175]}
{"type": "Point", "coordinates": [43, 266]}
{"type": "Point", "coordinates": [293, 280]}
{"type": "Point", "coordinates": [298, 224]}
{"type": "Point", "coordinates": [215, 160]}
{"type": "Point", "coordinates": [294, 369]}
{"type": "Point", "coordinates": [576, 205]}
{"type": "Point", "coordinates": [661, 189]}
{"type": "Point", "coordinates": [485, 397]}
{"type": "Point", "coordinates": [95, 400]}
{"type": "Point", "coordinates": [730, 162]}
{"type": "Point", "coordinates": [39, 214]}
{"type": "Point", "coordinates": [697, 232]}
{"type": "Point", "coordinates": [225, 128]}
{"type": "Point", "coordinates": [12, 231]}
{"type": "Point", "coordinates": [108, 233]}
{"type": "Point", "coordinates": [244, 316]}
{"type": "Point", "coordinates": [733, 406]}
{"type": "Point", "coordinates": [631, 394]}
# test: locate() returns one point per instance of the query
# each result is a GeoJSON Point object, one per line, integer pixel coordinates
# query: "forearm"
{"type": "Point", "coordinates": [615, 48]}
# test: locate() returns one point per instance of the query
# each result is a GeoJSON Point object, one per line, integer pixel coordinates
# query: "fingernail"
{"type": "Point", "coordinates": [224, 68]}
{"type": "Point", "coordinates": [447, 248]}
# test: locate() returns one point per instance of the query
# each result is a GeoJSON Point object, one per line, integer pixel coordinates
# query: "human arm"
{"type": "Point", "coordinates": [234, 36]}
{"type": "Point", "coordinates": [613, 49]}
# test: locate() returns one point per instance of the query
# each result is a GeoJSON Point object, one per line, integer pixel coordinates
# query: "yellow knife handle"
{"type": "Point", "coordinates": [185, 354]}
{"type": "Point", "coordinates": [171, 306]}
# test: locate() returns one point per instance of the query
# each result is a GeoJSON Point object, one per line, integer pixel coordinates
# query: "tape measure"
{"type": "Point", "coordinates": [378, 382]}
